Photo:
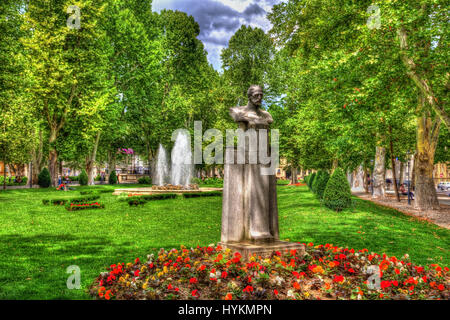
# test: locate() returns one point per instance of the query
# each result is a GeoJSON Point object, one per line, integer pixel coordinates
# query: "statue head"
{"type": "Point", "coordinates": [255, 95]}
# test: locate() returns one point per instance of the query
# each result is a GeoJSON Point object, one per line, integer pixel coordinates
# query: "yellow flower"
{"type": "Point", "coordinates": [165, 269]}
{"type": "Point", "coordinates": [144, 286]}
{"type": "Point", "coordinates": [252, 259]}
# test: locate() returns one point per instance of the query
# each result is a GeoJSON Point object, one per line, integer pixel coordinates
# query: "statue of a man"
{"type": "Point", "coordinates": [252, 116]}
{"type": "Point", "coordinates": [249, 211]}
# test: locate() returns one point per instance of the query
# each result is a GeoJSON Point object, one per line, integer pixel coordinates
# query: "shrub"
{"type": "Point", "coordinates": [337, 195]}
{"type": "Point", "coordinates": [113, 177]}
{"type": "Point", "coordinates": [311, 180]}
{"type": "Point", "coordinates": [316, 179]}
{"type": "Point", "coordinates": [145, 180]}
{"type": "Point", "coordinates": [84, 206]}
{"type": "Point", "coordinates": [140, 200]}
{"type": "Point", "coordinates": [44, 180]}
{"type": "Point", "coordinates": [83, 178]}
{"type": "Point", "coordinates": [321, 184]}
{"type": "Point", "coordinates": [282, 182]}
{"type": "Point", "coordinates": [203, 194]}
{"type": "Point", "coordinates": [13, 181]}
{"type": "Point", "coordinates": [85, 199]}
{"type": "Point", "coordinates": [56, 202]}
{"type": "Point", "coordinates": [207, 181]}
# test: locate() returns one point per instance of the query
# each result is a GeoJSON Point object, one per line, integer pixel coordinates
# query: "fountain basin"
{"type": "Point", "coordinates": [147, 191]}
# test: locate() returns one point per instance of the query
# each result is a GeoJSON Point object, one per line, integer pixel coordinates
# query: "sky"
{"type": "Point", "coordinates": [220, 19]}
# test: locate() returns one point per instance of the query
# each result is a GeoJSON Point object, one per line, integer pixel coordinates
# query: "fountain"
{"type": "Point", "coordinates": [179, 174]}
{"type": "Point", "coordinates": [181, 169]}
{"type": "Point", "coordinates": [162, 167]}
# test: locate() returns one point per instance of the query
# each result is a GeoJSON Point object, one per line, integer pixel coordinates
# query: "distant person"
{"type": "Point", "coordinates": [404, 192]}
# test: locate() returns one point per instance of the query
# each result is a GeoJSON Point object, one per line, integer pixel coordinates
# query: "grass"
{"type": "Point", "coordinates": [38, 243]}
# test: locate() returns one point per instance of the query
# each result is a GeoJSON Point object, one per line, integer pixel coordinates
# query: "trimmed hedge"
{"type": "Point", "coordinates": [85, 199]}
{"type": "Point", "coordinates": [337, 195]}
{"type": "Point", "coordinates": [56, 202]}
{"type": "Point", "coordinates": [203, 194]}
{"type": "Point", "coordinates": [113, 177]}
{"type": "Point", "coordinates": [145, 180]}
{"type": "Point", "coordinates": [311, 180]}
{"type": "Point", "coordinates": [23, 182]}
{"type": "Point", "coordinates": [281, 182]}
{"type": "Point", "coordinates": [84, 206]}
{"type": "Point", "coordinates": [83, 178]}
{"type": "Point", "coordinates": [44, 180]}
{"type": "Point", "coordinates": [321, 184]}
{"type": "Point", "coordinates": [140, 200]}
{"type": "Point", "coordinates": [316, 179]}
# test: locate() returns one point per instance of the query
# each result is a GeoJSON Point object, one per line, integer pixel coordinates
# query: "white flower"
{"type": "Point", "coordinates": [290, 294]}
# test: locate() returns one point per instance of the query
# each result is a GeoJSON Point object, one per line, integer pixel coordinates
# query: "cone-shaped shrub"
{"type": "Point", "coordinates": [83, 178]}
{"type": "Point", "coordinates": [113, 177]}
{"type": "Point", "coordinates": [44, 178]}
{"type": "Point", "coordinates": [316, 179]}
{"type": "Point", "coordinates": [311, 180]}
{"type": "Point", "coordinates": [321, 184]}
{"type": "Point", "coordinates": [337, 195]}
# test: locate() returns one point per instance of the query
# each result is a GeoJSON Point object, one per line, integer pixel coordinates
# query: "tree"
{"type": "Point", "coordinates": [337, 195]}
{"type": "Point", "coordinates": [67, 65]}
{"type": "Point", "coordinates": [246, 59]}
{"type": "Point", "coordinates": [371, 75]}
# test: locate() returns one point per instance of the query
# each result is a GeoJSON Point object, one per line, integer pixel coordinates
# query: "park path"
{"type": "Point", "coordinates": [439, 217]}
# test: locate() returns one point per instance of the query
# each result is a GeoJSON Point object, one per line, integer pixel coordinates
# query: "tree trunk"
{"type": "Point", "coordinates": [294, 176]}
{"type": "Point", "coordinates": [394, 177]}
{"type": "Point", "coordinates": [379, 173]}
{"type": "Point", "coordinates": [402, 173]}
{"type": "Point", "coordinates": [4, 175]}
{"type": "Point", "coordinates": [37, 156]}
{"type": "Point", "coordinates": [335, 164]}
{"type": "Point", "coordinates": [365, 180]}
{"type": "Point", "coordinates": [53, 167]}
{"type": "Point", "coordinates": [90, 161]}
{"type": "Point", "coordinates": [427, 138]}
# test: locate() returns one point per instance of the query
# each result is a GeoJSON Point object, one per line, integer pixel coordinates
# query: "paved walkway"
{"type": "Point", "coordinates": [439, 217]}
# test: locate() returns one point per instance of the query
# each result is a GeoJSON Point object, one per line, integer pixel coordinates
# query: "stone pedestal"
{"type": "Point", "coordinates": [247, 249]}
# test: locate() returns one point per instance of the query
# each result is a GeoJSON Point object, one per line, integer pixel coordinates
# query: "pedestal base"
{"type": "Point", "coordinates": [247, 249]}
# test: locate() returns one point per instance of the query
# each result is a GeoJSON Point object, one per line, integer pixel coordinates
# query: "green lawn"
{"type": "Point", "coordinates": [38, 243]}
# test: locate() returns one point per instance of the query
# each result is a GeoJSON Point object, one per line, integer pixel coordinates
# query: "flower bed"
{"type": "Point", "coordinates": [84, 206]}
{"type": "Point", "coordinates": [87, 199]}
{"type": "Point", "coordinates": [325, 272]}
{"type": "Point", "coordinates": [56, 202]}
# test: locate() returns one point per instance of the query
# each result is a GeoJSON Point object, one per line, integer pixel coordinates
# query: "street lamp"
{"type": "Point", "coordinates": [372, 176]}
{"type": "Point", "coordinates": [409, 182]}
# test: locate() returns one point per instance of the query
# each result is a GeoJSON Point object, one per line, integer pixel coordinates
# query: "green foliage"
{"type": "Point", "coordinates": [113, 177]}
{"type": "Point", "coordinates": [203, 194]}
{"type": "Point", "coordinates": [141, 200]}
{"type": "Point", "coordinates": [311, 180]}
{"type": "Point", "coordinates": [207, 181]}
{"type": "Point", "coordinates": [321, 184]}
{"type": "Point", "coordinates": [44, 178]}
{"type": "Point", "coordinates": [83, 178]}
{"type": "Point", "coordinates": [145, 180]}
{"type": "Point", "coordinates": [316, 179]}
{"type": "Point", "coordinates": [56, 202]}
{"type": "Point", "coordinates": [92, 197]}
{"type": "Point", "coordinates": [282, 182]}
{"type": "Point", "coordinates": [337, 195]}
{"type": "Point", "coordinates": [84, 206]}
{"type": "Point", "coordinates": [23, 181]}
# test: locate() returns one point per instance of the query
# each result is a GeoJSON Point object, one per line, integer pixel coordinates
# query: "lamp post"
{"type": "Point", "coordinates": [372, 177]}
{"type": "Point", "coordinates": [409, 182]}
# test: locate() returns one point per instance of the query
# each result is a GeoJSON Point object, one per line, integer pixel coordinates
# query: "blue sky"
{"type": "Point", "coordinates": [220, 19]}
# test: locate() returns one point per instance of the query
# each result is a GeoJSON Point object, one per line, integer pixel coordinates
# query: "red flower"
{"type": "Point", "coordinates": [395, 283]}
{"type": "Point", "coordinates": [224, 274]}
{"type": "Point", "coordinates": [136, 273]}
{"type": "Point", "coordinates": [169, 287]}
{"type": "Point", "coordinates": [229, 296]}
{"type": "Point", "coordinates": [441, 287]}
{"type": "Point", "coordinates": [397, 271]}
{"type": "Point", "coordinates": [338, 279]}
{"type": "Point", "coordinates": [275, 292]}
{"type": "Point", "coordinates": [248, 289]}
{"type": "Point", "coordinates": [351, 270]}
{"type": "Point", "coordinates": [193, 280]}
{"type": "Point", "coordinates": [194, 293]}
{"type": "Point", "coordinates": [385, 284]}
